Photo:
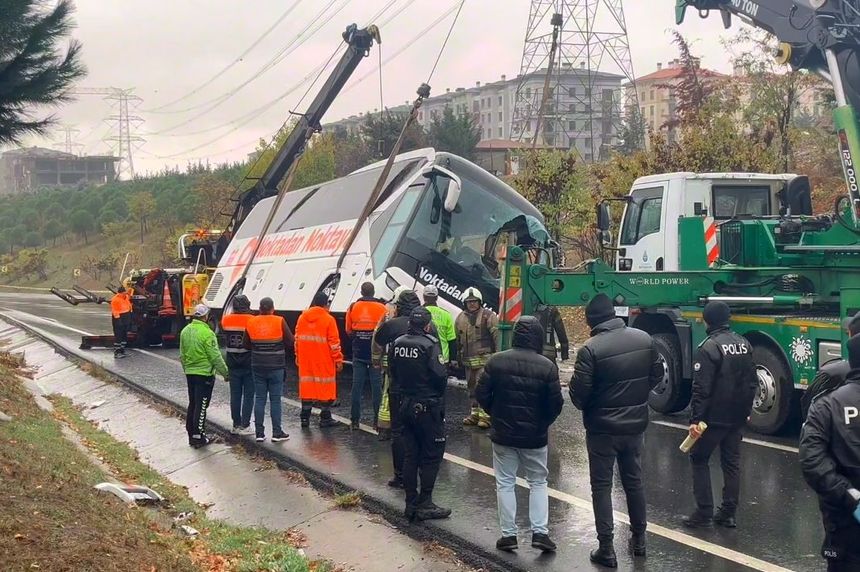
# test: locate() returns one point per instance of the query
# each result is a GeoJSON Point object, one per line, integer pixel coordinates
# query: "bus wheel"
{"type": "Point", "coordinates": [671, 393]}
{"type": "Point", "coordinates": [773, 399]}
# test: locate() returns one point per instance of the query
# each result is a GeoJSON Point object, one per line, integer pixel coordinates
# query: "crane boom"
{"type": "Point", "coordinates": [359, 42]}
{"type": "Point", "coordinates": [822, 36]}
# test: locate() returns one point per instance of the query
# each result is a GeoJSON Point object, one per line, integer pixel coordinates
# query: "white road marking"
{"type": "Point", "coordinates": [584, 504]}
{"type": "Point", "coordinates": [758, 442]}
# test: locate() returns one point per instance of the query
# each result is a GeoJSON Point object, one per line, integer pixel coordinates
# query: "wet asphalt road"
{"type": "Point", "coordinates": [779, 523]}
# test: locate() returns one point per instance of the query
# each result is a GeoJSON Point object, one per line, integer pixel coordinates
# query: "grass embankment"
{"type": "Point", "coordinates": [53, 518]}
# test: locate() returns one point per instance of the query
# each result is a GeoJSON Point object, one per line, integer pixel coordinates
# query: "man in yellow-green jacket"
{"type": "Point", "coordinates": [201, 359]}
{"type": "Point", "coordinates": [443, 321]}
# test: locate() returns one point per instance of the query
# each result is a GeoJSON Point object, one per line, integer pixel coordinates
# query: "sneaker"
{"type": "Point", "coordinates": [260, 438]}
{"type": "Point", "coordinates": [725, 519]}
{"type": "Point", "coordinates": [120, 355]}
{"type": "Point", "coordinates": [247, 430]}
{"type": "Point", "coordinates": [697, 520]}
{"type": "Point", "coordinates": [483, 423]}
{"type": "Point", "coordinates": [507, 543]}
{"type": "Point", "coordinates": [543, 542]}
{"type": "Point", "coordinates": [395, 483]}
{"type": "Point", "coordinates": [200, 443]}
{"type": "Point", "coordinates": [278, 437]}
{"type": "Point", "coordinates": [328, 422]}
{"type": "Point", "coordinates": [470, 420]}
{"type": "Point", "coordinates": [236, 430]}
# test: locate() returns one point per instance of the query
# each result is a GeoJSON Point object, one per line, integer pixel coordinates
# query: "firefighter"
{"type": "Point", "coordinates": [384, 338]}
{"type": "Point", "coordinates": [200, 359]}
{"type": "Point", "coordinates": [443, 321]}
{"type": "Point", "coordinates": [724, 385]}
{"type": "Point", "coordinates": [120, 309]}
{"type": "Point", "coordinates": [419, 370]}
{"type": "Point", "coordinates": [239, 364]}
{"type": "Point", "coordinates": [553, 327]}
{"type": "Point", "coordinates": [319, 357]}
{"type": "Point", "coordinates": [830, 459]}
{"type": "Point", "coordinates": [477, 339]}
{"type": "Point", "coordinates": [268, 337]}
{"type": "Point", "coordinates": [380, 359]}
{"type": "Point", "coordinates": [362, 318]}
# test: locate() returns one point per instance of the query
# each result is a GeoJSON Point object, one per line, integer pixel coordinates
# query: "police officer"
{"type": "Point", "coordinates": [830, 459]}
{"type": "Point", "coordinates": [418, 367]}
{"type": "Point", "coordinates": [724, 385]}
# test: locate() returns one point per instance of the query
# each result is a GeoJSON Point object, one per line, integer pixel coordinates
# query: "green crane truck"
{"type": "Point", "coordinates": [791, 277]}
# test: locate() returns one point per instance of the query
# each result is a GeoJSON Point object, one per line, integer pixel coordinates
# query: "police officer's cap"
{"type": "Point", "coordinates": [420, 317]}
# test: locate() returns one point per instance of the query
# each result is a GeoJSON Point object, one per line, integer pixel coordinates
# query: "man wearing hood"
{"type": "Point", "coordinates": [724, 386]}
{"type": "Point", "coordinates": [238, 360]}
{"type": "Point", "coordinates": [384, 338]}
{"type": "Point", "coordinates": [615, 371]}
{"type": "Point", "coordinates": [418, 365]}
{"type": "Point", "coordinates": [520, 389]}
{"type": "Point", "coordinates": [477, 339]}
{"type": "Point", "coordinates": [319, 357]}
{"type": "Point", "coordinates": [830, 459]}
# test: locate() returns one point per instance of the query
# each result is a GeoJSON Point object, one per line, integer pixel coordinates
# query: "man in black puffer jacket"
{"type": "Point", "coordinates": [520, 390]}
{"type": "Point", "coordinates": [724, 386]}
{"type": "Point", "coordinates": [614, 373]}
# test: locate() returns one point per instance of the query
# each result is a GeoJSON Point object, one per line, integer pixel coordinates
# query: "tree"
{"type": "Point", "coordinates": [141, 206]}
{"type": "Point", "coordinates": [316, 165]}
{"type": "Point", "coordinates": [212, 199]}
{"type": "Point", "coordinates": [350, 153]}
{"type": "Point", "coordinates": [457, 134]}
{"type": "Point", "coordinates": [34, 71]}
{"type": "Point", "coordinates": [31, 262]}
{"type": "Point", "coordinates": [82, 222]}
{"type": "Point", "coordinates": [695, 88]}
{"type": "Point", "coordinates": [32, 238]}
{"type": "Point", "coordinates": [381, 130]}
{"type": "Point", "coordinates": [634, 130]}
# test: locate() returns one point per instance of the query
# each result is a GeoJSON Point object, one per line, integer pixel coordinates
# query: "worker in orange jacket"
{"type": "Point", "coordinates": [120, 309]}
{"type": "Point", "coordinates": [319, 358]}
{"type": "Point", "coordinates": [362, 318]}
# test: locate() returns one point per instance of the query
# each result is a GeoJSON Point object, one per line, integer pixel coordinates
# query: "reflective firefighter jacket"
{"type": "Point", "coordinates": [317, 354]}
{"type": "Point", "coordinates": [234, 326]}
{"type": "Point", "coordinates": [120, 304]}
{"type": "Point", "coordinates": [553, 328]}
{"type": "Point", "coordinates": [268, 337]}
{"type": "Point", "coordinates": [477, 337]}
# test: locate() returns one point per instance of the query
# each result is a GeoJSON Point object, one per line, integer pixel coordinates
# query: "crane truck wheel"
{"type": "Point", "coordinates": [672, 393]}
{"type": "Point", "coordinates": [773, 400]}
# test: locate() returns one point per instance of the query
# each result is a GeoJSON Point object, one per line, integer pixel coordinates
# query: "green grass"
{"type": "Point", "coordinates": [247, 549]}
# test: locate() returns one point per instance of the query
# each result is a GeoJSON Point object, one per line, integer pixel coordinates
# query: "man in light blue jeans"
{"type": "Point", "coordinates": [520, 390]}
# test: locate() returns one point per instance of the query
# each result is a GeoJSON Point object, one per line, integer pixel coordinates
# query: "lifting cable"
{"type": "Point", "coordinates": [423, 93]}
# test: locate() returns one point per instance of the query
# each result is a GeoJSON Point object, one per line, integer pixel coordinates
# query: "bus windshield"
{"type": "Point", "coordinates": [450, 246]}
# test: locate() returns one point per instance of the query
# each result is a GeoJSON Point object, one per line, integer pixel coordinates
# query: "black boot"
{"type": "Point", "coordinates": [396, 483]}
{"type": "Point", "coordinates": [306, 422]}
{"type": "Point", "coordinates": [698, 520]}
{"type": "Point", "coordinates": [605, 555]}
{"type": "Point", "coordinates": [429, 511]}
{"type": "Point", "coordinates": [637, 544]}
{"type": "Point", "coordinates": [725, 518]}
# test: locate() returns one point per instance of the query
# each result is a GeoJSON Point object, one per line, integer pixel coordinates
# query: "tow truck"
{"type": "Point", "coordinates": [791, 277]}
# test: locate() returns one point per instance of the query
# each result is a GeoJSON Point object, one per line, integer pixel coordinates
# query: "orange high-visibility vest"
{"type": "Point", "coordinates": [234, 326]}
{"type": "Point", "coordinates": [120, 304]}
{"type": "Point", "coordinates": [317, 354]}
{"type": "Point", "coordinates": [266, 333]}
{"type": "Point", "coordinates": [364, 315]}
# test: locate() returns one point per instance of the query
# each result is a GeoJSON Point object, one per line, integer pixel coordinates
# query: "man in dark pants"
{"type": "Point", "coordinates": [200, 359]}
{"type": "Point", "coordinates": [384, 337]}
{"type": "Point", "coordinates": [830, 459]}
{"type": "Point", "coordinates": [724, 385]}
{"type": "Point", "coordinates": [553, 329]}
{"type": "Point", "coordinates": [615, 371]}
{"type": "Point", "coordinates": [120, 309]}
{"type": "Point", "coordinates": [422, 375]}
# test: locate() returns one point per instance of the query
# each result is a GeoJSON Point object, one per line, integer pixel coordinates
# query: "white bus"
{"type": "Point", "coordinates": [421, 231]}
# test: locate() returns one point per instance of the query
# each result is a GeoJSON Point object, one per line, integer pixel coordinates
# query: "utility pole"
{"type": "Point", "coordinates": [69, 142]}
{"type": "Point", "coordinates": [122, 136]}
{"type": "Point", "coordinates": [576, 76]}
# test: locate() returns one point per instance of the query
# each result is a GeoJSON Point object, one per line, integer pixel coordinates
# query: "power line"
{"type": "Point", "coordinates": [445, 43]}
{"type": "Point", "coordinates": [226, 68]}
{"type": "Point", "coordinates": [319, 21]}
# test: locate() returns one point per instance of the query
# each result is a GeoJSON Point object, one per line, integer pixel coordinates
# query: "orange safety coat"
{"type": "Point", "coordinates": [120, 304]}
{"type": "Point", "coordinates": [317, 355]}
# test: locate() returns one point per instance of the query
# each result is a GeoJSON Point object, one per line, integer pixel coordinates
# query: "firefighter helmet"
{"type": "Point", "coordinates": [473, 294]}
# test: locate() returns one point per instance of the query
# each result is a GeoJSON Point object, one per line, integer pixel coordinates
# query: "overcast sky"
{"type": "Point", "coordinates": [164, 49]}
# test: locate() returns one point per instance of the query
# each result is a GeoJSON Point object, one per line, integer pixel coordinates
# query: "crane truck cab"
{"type": "Point", "coordinates": [648, 237]}
{"type": "Point", "coordinates": [431, 225]}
